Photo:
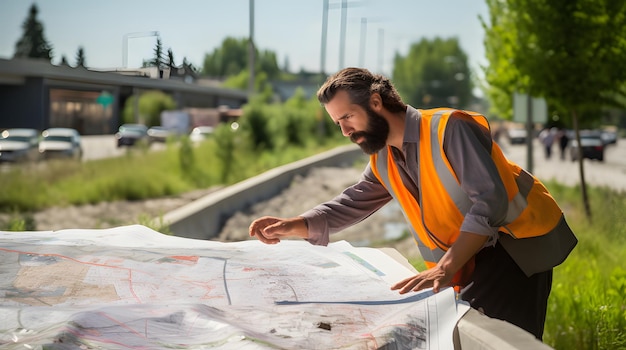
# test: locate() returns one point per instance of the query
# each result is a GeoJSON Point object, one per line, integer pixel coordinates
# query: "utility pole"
{"type": "Point", "coordinates": [342, 42]}
{"type": "Point", "coordinates": [363, 39]}
{"type": "Point", "coordinates": [251, 58]}
{"type": "Point", "coordinates": [381, 44]}
{"type": "Point", "coordinates": [324, 33]}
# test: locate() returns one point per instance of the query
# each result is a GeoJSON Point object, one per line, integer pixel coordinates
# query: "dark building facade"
{"type": "Point", "coordinates": [36, 94]}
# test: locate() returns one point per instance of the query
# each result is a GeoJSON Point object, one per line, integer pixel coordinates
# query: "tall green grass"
{"type": "Point", "coordinates": [587, 306]}
{"type": "Point", "coordinates": [140, 174]}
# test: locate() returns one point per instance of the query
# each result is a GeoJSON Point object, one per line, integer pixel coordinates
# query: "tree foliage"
{"type": "Point", "coordinates": [434, 73]}
{"type": "Point", "coordinates": [33, 43]}
{"type": "Point", "coordinates": [232, 58]}
{"type": "Point", "coordinates": [573, 53]}
{"type": "Point", "coordinates": [81, 60]}
{"type": "Point", "coordinates": [570, 52]}
{"type": "Point", "coordinates": [158, 60]}
{"type": "Point", "coordinates": [149, 108]}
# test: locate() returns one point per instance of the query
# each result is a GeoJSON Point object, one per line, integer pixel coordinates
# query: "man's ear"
{"type": "Point", "coordinates": [376, 102]}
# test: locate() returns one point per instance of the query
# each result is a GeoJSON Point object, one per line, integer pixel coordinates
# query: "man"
{"type": "Point", "coordinates": [481, 223]}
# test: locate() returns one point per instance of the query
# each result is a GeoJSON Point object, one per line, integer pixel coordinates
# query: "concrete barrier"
{"type": "Point", "coordinates": [205, 217]}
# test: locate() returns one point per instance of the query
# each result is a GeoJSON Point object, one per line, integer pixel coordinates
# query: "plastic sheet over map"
{"type": "Point", "coordinates": [133, 288]}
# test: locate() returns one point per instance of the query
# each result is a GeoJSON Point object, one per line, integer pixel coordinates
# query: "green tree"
{"type": "Point", "coordinates": [64, 62]}
{"type": "Point", "coordinates": [150, 106]}
{"type": "Point", "coordinates": [81, 61]}
{"type": "Point", "coordinates": [33, 43]}
{"type": "Point", "coordinates": [571, 52]}
{"type": "Point", "coordinates": [232, 58]}
{"type": "Point", "coordinates": [501, 75]}
{"type": "Point", "coordinates": [170, 59]}
{"type": "Point", "coordinates": [158, 58]}
{"type": "Point", "coordinates": [434, 73]}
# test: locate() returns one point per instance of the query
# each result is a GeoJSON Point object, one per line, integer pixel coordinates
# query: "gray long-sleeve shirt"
{"type": "Point", "coordinates": [467, 147]}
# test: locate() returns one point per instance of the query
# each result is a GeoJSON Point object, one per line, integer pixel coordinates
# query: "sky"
{"type": "Point", "coordinates": [117, 32]}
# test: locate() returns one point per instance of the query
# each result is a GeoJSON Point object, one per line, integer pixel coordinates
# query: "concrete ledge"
{"type": "Point", "coordinates": [476, 331]}
{"type": "Point", "coordinates": [205, 217]}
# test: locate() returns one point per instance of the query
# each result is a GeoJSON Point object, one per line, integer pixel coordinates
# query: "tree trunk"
{"type": "Point", "coordinates": [581, 168]}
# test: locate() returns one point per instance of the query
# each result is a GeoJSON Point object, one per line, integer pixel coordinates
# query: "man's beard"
{"type": "Point", "coordinates": [375, 136]}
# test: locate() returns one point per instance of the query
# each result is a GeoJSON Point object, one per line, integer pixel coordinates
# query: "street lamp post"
{"type": "Point", "coordinates": [125, 43]}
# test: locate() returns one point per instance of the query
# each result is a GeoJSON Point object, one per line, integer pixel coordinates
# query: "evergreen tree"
{"type": "Point", "coordinates": [170, 59]}
{"type": "Point", "coordinates": [80, 57]}
{"type": "Point", "coordinates": [158, 60]}
{"type": "Point", "coordinates": [64, 61]}
{"type": "Point", "coordinates": [33, 43]}
{"type": "Point", "coordinates": [188, 65]}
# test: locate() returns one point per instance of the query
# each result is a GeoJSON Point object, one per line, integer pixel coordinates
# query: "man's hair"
{"type": "Point", "coordinates": [360, 84]}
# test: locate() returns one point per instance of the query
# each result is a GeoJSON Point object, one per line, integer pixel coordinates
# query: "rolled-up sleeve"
{"type": "Point", "coordinates": [468, 148]}
{"type": "Point", "coordinates": [353, 205]}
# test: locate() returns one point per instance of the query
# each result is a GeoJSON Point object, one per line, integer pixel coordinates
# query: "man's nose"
{"type": "Point", "coordinates": [346, 130]}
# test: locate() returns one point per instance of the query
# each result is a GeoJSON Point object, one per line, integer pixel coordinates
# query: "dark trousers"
{"type": "Point", "coordinates": [501, 290]}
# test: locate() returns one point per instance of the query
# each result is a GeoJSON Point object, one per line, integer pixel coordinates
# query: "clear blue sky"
{"type": "Point", "coordinates": [290, 28]}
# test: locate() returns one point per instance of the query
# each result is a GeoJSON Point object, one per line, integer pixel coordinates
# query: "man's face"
{"type": "Point", "coordinates": [363, 126]}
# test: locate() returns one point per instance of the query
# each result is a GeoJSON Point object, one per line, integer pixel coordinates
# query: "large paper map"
{"type": "Point", "coordinates": [134, 288]}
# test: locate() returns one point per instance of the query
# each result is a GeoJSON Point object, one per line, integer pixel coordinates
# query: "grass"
{"type": "Point", "coordinates": [137, 175]}
{"type": "Point", "coordinates": [587, 306]}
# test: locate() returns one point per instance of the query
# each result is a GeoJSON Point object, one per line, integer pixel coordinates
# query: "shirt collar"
{"type": "Point", "coordinates": [411, 125]}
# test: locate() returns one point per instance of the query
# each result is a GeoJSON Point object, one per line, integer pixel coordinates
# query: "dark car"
{"type": "Point", "coordinates": [130, 134]}
{"type": "Point", "coordinates": [19, 145]}
{"type": "Point", "coordinates": [592, 146]}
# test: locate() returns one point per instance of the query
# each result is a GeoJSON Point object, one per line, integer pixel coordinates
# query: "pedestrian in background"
{"type": "Point", "coordinates": [563, 140]}
{"type": "Point", "coordinates": [482, 224]}
{"type": "Point", "coordinates": [546, 137]}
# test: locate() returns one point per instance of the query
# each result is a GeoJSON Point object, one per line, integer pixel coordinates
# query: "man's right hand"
{"type": "Point", "coordinates": [270, 229]}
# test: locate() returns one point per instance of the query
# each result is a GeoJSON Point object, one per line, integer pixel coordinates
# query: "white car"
{"type": "Point", "coordinates": [60, 143]}
{"type": "Point", "coordinates": [200, 133]}
{"type": "Point", "coordinates": [19, 144]}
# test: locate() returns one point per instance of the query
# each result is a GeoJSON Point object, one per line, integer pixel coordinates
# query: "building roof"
{"type": "Point", "coordinates": [15, 72]}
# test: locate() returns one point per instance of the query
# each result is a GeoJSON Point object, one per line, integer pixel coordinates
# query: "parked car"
{"type": "Point", "coordinates": [159, 134]}
{"type": "Point", "coordinates": [609, 137]}
{"type": "Point", "coordinates": [19, 144]}
{"type": "Point", "coordinates": [60, 143]}
{"type": "Point", "coordinates": [517, 135]}
{"type": "Point", "coordinates": [592, 146]}
{"type": "Point", "coordinates": [130, 134]}
{"type": "Point", "coordinates": [200, 133]}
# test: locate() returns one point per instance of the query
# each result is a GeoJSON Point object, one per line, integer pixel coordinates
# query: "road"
{"type": "Point", "coordinates": [611, 172]}
{"type": "Point", "coordinates": [105, 146]}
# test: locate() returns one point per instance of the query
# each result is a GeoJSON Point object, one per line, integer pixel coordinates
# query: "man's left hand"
{"type": "Point", "coordinates": [435, 277]}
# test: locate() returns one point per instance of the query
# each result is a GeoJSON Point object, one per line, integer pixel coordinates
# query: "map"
{"type": "Point", "coordinates": [134, 288]}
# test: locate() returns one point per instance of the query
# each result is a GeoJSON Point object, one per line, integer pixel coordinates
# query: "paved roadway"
{"type": "Point", "coordinates": [105, 146]}
{"type": "Point", "coordinates": [611, 172]}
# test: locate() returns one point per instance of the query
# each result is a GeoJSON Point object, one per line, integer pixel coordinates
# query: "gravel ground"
{"type": "Point", "coordinates": [382, 229]}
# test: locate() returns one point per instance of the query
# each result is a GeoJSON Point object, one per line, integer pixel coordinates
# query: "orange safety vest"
{"type": "Point", "coordinates": [436, 220]}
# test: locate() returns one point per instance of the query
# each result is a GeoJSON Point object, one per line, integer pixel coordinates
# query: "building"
{"type": "Point", "coordinates": [36, 94]}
